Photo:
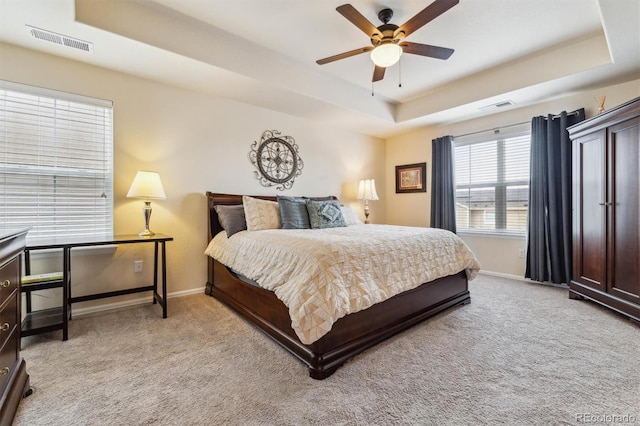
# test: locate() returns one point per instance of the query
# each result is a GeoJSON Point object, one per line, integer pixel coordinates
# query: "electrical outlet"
{"type": "Point", "coordinates": [137, 266]}
{"type": "Point", "coordinates": [521, 254]}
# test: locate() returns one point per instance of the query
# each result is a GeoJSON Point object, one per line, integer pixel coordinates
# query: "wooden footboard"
{"type": "Point", "coordinates": [350, 335]}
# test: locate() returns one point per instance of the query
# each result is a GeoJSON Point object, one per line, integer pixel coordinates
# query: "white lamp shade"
{"type": "Point", "coordinates": [385, 55]}
{"type": "Point", "coordinates": [367, 190]}
{"type": "Point", "coordinates": [147, 185]}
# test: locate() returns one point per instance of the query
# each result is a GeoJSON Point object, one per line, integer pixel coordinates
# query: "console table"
{"type": "Point", "coordinates": [67, 244]}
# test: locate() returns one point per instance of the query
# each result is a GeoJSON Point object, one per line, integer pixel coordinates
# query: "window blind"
{"type": "Point", "coordinates": [492, 182]}
{"type": "Point", "coordinates": [56, 162]}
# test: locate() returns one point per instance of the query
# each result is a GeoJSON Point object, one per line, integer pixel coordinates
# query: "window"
{"type": "Point", "coordinates": [492, 182]}
{"type": "Point", "coordinates": [56, 162]}
{"type": "Point", "coordinates": [489, 217]}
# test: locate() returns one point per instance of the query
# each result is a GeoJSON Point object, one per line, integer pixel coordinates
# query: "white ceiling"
{"type": "Point", "coordinates": [263, 52]}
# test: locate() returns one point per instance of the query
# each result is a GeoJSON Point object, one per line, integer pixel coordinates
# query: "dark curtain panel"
{"type": "Point", "coordinates": [549, 250]}
{"type": "Point", "coordinates": [443, 190]}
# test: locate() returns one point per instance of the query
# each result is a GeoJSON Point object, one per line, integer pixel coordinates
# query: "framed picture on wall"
{"type": "Point", "coordinates": [411, 178]}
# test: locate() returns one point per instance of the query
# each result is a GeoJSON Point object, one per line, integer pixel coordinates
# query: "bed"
{"type": "Point", "coordinates": [349, 335]}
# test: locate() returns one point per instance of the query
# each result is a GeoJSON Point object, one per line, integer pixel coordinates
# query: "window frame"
{"type": "Point", "coordinates": [85, 171]}
{"type": "Point", "coordinates": [500, 136]}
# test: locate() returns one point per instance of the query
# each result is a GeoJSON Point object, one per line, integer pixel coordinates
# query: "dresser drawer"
{"type": "Point", "coordinates": [9, 277]}
{"type": "Point", "coordinates": [8, 357]}
{"type": "Point", "coordinates": [8, 318]}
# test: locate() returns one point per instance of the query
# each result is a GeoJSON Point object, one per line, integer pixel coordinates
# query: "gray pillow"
{"type": "Point", "coordinates": [231, 218]}
{"type": "Point", "coordinates": [327, 198]}
{"type": "Point", "coordinates": [293, 213]}
{"type": "Point", "coordinates": [325, 214]}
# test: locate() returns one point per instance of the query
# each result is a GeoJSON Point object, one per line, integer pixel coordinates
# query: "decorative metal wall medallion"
{"type": "Point", "coordinates": [277, 160]}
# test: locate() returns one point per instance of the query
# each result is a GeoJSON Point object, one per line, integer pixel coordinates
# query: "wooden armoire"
{"type": "Point", "coordinates": [606, 209]}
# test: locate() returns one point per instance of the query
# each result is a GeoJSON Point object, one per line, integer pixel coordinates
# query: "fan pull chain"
{"type": "Point", "coordinates": [372, 88]}
{"type": "Point", "coordinates": [400, 72]}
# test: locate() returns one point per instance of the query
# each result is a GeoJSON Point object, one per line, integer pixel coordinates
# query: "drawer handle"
{"type": "Point", "coordinates": [4, 371]}
{"type": "Point", "coordinates": [4, 327]}
{"type": "Point", "coordinates": [6, 283]}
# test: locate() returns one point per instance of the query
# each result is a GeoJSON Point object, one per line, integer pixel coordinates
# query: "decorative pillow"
{"type": "Point", "coordinates": [293, 213]}
{"type": "Point", "coordinates": [231, 218]}
{"type": "Point", "coordinates": [350, 216]}
{"type": "Point", "coordinates": [325, 214]}
{"type": "Point", "coordinates": [261, 214]}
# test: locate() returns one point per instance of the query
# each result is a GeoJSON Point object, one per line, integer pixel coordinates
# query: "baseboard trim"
{"type": "Point", "coordinates": [79, 312]}
{"type": "Point", "coordinates": [523, 279]}
{"type": "Point", "coordinates": [503, 275]}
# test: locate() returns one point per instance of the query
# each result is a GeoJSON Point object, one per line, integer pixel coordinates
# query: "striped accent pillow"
{"type": "Point", "coordinates": [293, 213]}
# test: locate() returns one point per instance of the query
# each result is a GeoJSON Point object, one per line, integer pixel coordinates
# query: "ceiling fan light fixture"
{"type": "Point", "coordinates": [386, 54]}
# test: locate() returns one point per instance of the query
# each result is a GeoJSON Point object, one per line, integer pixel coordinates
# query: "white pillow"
{"type": "Point", "coordinates": [261, 214]}
{"type": "Point", "coordinates": [350, 216]}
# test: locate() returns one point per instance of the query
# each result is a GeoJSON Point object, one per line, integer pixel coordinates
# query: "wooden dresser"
{"type": "Point", "coordinates": [606, 204]}
{"type": "Point", "coordinates": [14, 380]}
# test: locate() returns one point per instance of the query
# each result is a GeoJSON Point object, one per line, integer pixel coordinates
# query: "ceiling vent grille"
{"type": "Point", "coordinates": [60, 39]}
{"type": "Point", "coordinates": [498, 105]}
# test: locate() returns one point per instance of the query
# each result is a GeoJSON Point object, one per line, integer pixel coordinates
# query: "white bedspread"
{"type": "Point", "coordinates": [322, 275]}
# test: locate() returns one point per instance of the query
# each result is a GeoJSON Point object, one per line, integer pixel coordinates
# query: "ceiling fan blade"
{"type": "Point", "coordinates": [344, 55]}
{"type": "Point", "coordinates": [378, 73]}
{"type": "Point", "coordinates": [357, 19]}
{"type": "Point", "coordinates": [426, 50]}
{"type": "Point", "coordinates": [429, 13]}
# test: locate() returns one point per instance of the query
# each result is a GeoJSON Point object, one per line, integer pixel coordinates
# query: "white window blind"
{"type": "Point", "coordinates": [492, 182]}
{"type": "Point", "coordinates": [56, 162]}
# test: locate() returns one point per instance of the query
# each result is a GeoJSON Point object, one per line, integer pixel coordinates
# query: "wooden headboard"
{"type": "Point", "coordinates": [215, 199]}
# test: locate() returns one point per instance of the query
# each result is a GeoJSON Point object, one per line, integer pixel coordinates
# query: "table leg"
{"type": "Point", "coordinates": [164, 280]}
{"type": "Point", "coordinates": [27, 271]}
{"type": "Point", "coordinates": [155, 272]}
{"type": "Point", "coordinates": [66, 291]}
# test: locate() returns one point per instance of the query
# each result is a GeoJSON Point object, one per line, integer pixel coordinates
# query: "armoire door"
{"type": "Point", "coordinates": [589, 225]}
{"type": "Point", "coordinates": [623, 267]}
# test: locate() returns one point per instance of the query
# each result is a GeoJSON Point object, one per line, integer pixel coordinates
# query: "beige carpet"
{"type": "Point", "coordinates": [518, 354]}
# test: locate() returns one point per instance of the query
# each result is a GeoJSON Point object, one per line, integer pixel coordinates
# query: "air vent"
{"type": "Point", "coordinates": [498, 105]}
{"type": "Point", "coordinates": [60, 39]}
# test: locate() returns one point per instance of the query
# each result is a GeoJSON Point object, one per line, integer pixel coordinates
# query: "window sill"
{"type": "Point", "coordinates": [78, 251]}
{"type": "Point", "coordinates": [484, 234]}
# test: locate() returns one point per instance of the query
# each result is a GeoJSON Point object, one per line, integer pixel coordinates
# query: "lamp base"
{"type": "Point", "coordinates": [147, 217]}
{"type": "Point", "coordinates": [366, 212]}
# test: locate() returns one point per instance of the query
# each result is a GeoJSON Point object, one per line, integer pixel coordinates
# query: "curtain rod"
{"type": "Point", "coordinates": [576, 112]}
{"type": "Point", "coordinates": [511, 125]}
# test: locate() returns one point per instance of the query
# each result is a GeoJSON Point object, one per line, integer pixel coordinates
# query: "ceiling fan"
{"type": "Point", "coordinates": [386, 40]}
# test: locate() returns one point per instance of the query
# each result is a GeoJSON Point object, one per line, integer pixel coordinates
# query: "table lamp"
{"type": "Point", "coordinates": [147, 186]}
{"type": "Point", "coordinates": [366, 192]}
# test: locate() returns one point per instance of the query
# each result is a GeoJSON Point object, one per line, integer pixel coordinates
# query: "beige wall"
{"type": "Point", "coordinates": [197, 143]}
{"type": "Point", "coordinates": [496, 254]}
{"type": "Point", "coordinates": [412, 209]}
